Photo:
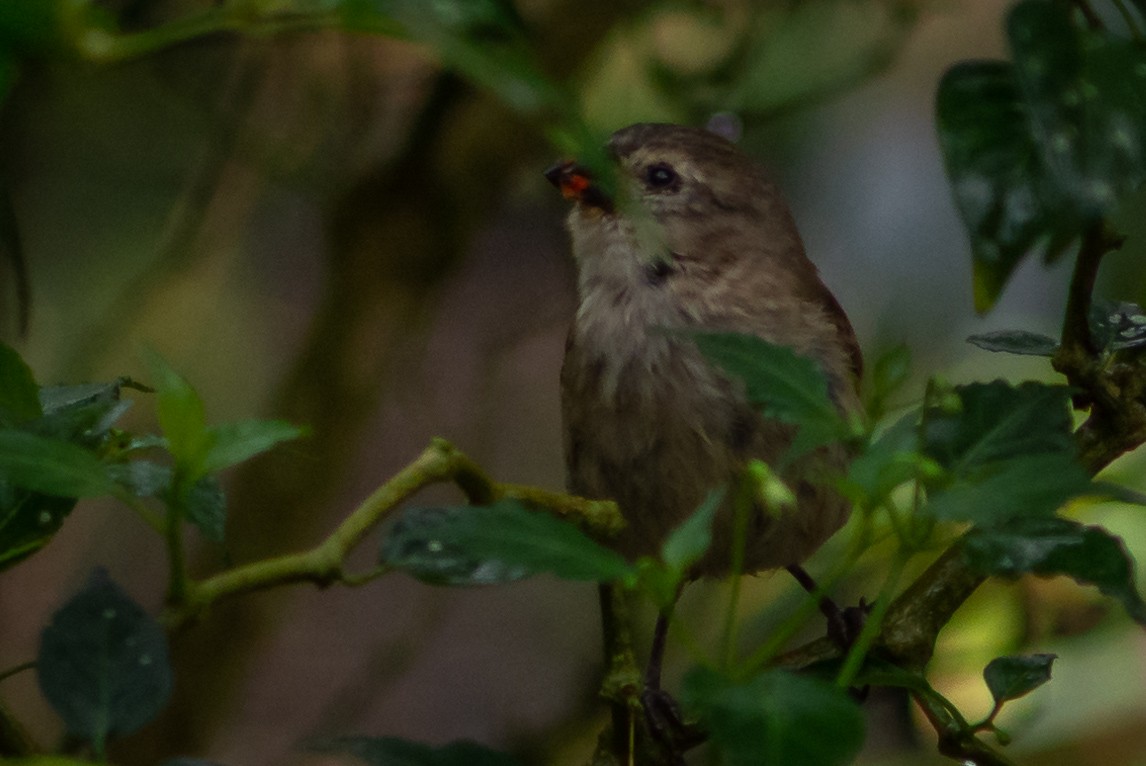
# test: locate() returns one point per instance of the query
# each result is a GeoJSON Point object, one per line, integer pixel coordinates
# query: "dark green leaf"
{"type": "Point", "coordinates": [59, 398]}
{"type": "Point", "coordinates": [1085, 95]}
{"type": "Point", "coordinates": [689, 541]}
{"type": "Point", "coordinates": [51, 466]}
{"type": "Point", "coordinates": [82, 413]}
{"type": "Point", "coordinates": [997, 421]}
{"type": "Point", "coordinates": [776, 717]}
{"type": "Point", "coordinates": [181, 417]}
{"type": "Point", "coordinates": [28, 520]}
{"type": "Point", "coordinates": [392, 751]}
{"type": "Point", "coordinates": [1009, 678]}
{"type": "Point", "coordinates": [484, 544]}
{"type": "Point", "coordinates": [103, 663]}
{"type": "Point", "coordinates": [1028, 485]}
{"type": "Point", "coordinates": [206, 508]}
{"type": "Point", "coordinates": [19, 394]}
{"type": "Point", "coordinates": [1055, 546]}
{"type": "Point", "coordinates": [888, 461]}
{"type": "Point", "coordinates": [142, 478]}
{"type": "Point", "coordinates": [1117, 326]}
{"type": "Point", "coordinates": [995, 173]}
{"type": "Point", "coordinates": [233, 443]}
{"type": "Point", "coordinates": [1038, 149]}
{"type": "Point", "coordinates": [415, 546]}
{"type": "Point", "coordinates": [1015, 342]}
{"type": "Point", "coordinates": [787, 386]}
{"type": "Point", "coordinates": [891, 370]}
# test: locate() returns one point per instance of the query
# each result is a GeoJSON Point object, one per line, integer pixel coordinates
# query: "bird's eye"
{"type": "Point", "coordinates": [661, 175]}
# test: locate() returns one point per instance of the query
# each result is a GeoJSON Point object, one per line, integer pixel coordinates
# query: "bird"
{"type": "Point", "coordinates": [679, 231]}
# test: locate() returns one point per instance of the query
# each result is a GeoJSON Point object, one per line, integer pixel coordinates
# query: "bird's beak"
{"type": "Point", "coordinates": [576, 183]}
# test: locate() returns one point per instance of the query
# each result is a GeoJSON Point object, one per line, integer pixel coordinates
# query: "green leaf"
{"type": "Point", "coordinates": [1117, 325]}
{"type": "Point", "coordinates": [1009, 678]}
{"type": "Point", "coordinates": [776, 717]}
{"type": "Point", "coordinates": [1030, 485]}
{"type": "Point", "coordinates": [785, 385]}
{"type": "Point", "coordinates": [82, 413]}
{"type": "Point", "coordinates": [103, 663]}
{"type": "Point", "coordinates": [19, 394]}
{"type": "Point", "coordinates": [1015, 342]}
{"type": "Point", "coordinates": [181, 418]}
{"type": "Point", "coordinates": [392, 751]}
{"type": "Point", "coordinates": [890, 371]}
{"type": "Point", "coordinates": [485, 544]}
{"type": "Point", "coordinates": [1055, 546]}
{"type": "Point", "coordinates": [206, 508]}
{"type": "Point", "coordinates": [997, 421]}
{"type": "Point", "coordinates": [233, 443]}
{"type": "Point", "coordinates": [28, 520]}
{"type": "Point", "coordinates": [887, 462]}
{"type": "Point", "coordinates": [1085, 94]}
{"type": "Point", "coordinates": [1039, 149]}
{"type": "Point", "coordinates": [415, 546]}
{"type": "Point", "coordinates": [689, 541]}
{"type": "Point", "coordinates": [51, 466]}
{"type": "Point", "coordinates": [995, 173]}
{"type": "Point", "coordinates": [142, 478]}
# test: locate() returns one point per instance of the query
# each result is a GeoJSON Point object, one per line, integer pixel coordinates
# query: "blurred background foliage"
{"type": "Point", "coordinates": [332, 212]}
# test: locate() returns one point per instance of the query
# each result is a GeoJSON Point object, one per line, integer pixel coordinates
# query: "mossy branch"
{"type": "Point", "coordinates": [325, 563]}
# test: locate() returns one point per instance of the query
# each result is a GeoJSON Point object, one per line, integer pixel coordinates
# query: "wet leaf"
{"type": "Point", "coordinates": [51, 466]}
{"type": "Point", "coordinates": [1009, 678]}
{"type": "Point", "coordinates": [1054, 546]}
{"type": "Point", "coordinates": [998, 421]}
{"type": "Point", "coordinates": [103, 663]}
{"type": "Point", "coordinates": [1039, 148]}
{"type": "Point", "coordinates": [1117, 325]}
{"type": "Point", "coordinates": [28, 520]}
{"type": "Point", "coordinates": [1027, 485]}
{"type": "Point", "coordinates": [486, 544]}
{"type": "Point", "coordinates": [1015, 342]}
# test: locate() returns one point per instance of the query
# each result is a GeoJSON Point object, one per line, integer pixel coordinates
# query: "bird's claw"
{"type": "Point", "coordinates": [665, 723]}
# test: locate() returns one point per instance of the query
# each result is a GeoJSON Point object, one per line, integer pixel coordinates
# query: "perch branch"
{"type": "Point", "coordinates": [324, 564]}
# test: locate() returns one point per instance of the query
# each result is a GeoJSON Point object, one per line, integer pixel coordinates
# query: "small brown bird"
{"type": "Point", "coordinates": [693, 236]}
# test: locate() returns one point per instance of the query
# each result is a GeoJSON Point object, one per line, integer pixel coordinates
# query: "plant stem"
{"type": "Point", "coordinates": [871, 629]}
{"type": "Point", "coordinates": [6, 674]}
{"type": "Point", "coordinates": [176, 556]}
{"type": "Point", "coordinates": [324, 563]}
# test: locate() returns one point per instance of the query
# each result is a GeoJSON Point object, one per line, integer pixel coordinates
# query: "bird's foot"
{"type": "Point", "coordinates": [665, 723]}
{"type": "Point", "coordinates": [845, 625]}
